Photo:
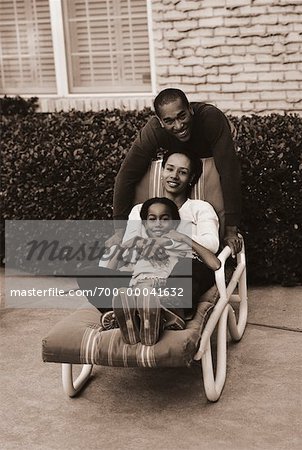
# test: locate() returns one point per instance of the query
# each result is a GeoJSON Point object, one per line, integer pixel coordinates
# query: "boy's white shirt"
{"type": "Point", "coordinates": [198, 221]}
{"type": "Point", "coordinates": [157, 269]}
{"type": "Point", "coordinates": [137, 265]}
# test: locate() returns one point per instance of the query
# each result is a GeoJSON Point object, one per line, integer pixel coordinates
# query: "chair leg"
{"type": "Point", "coordinates": [243, 311]}
{"type": "Point", "coordinates": [223, 316]}
{"type": "Point", "coordinates": [213, 385]}
{"type": "Point", "coordinates": [237, 328]}
{"type": "Point", "coordinates": [71, 387]}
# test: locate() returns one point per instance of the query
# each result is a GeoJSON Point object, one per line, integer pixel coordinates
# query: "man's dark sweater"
{"type": "Point", "coordinates": [210, 137]}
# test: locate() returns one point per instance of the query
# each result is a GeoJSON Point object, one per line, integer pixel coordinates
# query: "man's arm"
{"type": "Point", "coordinates": [134, 167]}
{"type": "Point", "coordinates": [220, 138]}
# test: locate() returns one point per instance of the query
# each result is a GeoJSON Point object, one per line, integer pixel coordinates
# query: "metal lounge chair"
{"type": "Point", "coordinates": [79, 338]}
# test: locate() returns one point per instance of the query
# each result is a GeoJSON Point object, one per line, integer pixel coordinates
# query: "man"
{"type": "Point", "coordinates": [180, 125]}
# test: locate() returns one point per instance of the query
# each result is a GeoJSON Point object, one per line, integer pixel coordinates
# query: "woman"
{"type": "Point", "coordinates": [199, 229]}
{"type": "Point", "coordinates": [199, 222]}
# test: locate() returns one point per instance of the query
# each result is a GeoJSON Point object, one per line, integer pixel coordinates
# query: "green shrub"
{"type": "Point", "coordinates": [270, 149]}
{"type": "Point", "coordinates": [18, 105]}
{"type": "Point", "coordinates": [63, 165]}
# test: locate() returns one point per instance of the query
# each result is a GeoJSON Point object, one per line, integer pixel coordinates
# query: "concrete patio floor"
{"type": "Point", "coordinates": [260, 407]}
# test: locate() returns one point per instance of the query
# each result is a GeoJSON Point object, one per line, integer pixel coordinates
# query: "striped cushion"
{"type": "Point", "coordinates": [79, 339]}
{"type": "Point", "coordinates": [207, 188]}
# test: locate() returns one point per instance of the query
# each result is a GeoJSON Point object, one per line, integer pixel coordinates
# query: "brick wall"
{"type": "Point", "coordinates": [242, 55]}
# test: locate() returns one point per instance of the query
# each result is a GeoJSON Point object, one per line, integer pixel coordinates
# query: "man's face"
{"type": "Point", "coordinates": [177, 119]}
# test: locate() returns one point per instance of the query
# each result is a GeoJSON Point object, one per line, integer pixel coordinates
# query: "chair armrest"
{"type": "Point", "coordinates": [223, 255]}
{"type": "Point", "coordinates": [225, 292]}
{"type": "Point", "coordinates": [220, 273]}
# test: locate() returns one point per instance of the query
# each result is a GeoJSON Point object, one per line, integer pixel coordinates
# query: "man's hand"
{"type": "Point", "coordinates": [232, 239]}
{"type": "Point", "coordinates": [116, 239]}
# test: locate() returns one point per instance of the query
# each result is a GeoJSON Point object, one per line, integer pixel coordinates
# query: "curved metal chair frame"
{"type": "Point", "coordinates": [223, 317]}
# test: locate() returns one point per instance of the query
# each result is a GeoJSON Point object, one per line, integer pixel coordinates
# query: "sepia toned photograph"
{"type": "Point", "coordinates": [151, 186]}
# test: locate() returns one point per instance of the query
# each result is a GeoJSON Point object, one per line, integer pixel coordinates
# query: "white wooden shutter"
{"type": "Point", "coordinates": [107, 45]}
{"type": "Point", "coordinates": [27, 62]}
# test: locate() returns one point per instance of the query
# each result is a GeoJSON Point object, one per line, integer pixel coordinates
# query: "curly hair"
{"type": "Point", "coordinates": [167, 96]}
{"type": "Point", "coordinates": [162, 200]}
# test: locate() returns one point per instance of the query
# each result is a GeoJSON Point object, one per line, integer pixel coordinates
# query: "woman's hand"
{"type": "Point", "coordinates": [116, 239]}
{"type": "Point", "coordinates": [154, 249]}
{"type": "Point", "coordinates": [137, 242]}
{"type": "Point", "coordinates": [151, 249]}
{"type": "Point", "coordinates": [132, 249]}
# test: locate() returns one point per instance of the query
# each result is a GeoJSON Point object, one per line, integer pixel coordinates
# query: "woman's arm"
{"type": "Point", "coordinates": [200, 222]}
{"type": "Point", "coordinates": [205, 230]}
{"type": "Point", "coordinates": [127, 230]}
{"type": "Point", "coordinates": [111, 258]}
{"type": "Point", "coordinates": [134, 226]}
{"type": "Point", "coordinates": [206, 255]}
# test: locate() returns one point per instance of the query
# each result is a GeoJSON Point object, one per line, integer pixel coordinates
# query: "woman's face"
{"type": "Point", "coordinates": [176, 174]}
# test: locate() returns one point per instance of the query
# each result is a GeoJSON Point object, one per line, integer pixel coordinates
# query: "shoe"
{"type": "Point", "coordinates": [172, 320]}
{"type": "Point", "coordinates": [108, 320]}
{"type": "Point", "coordinates": [124, 308]}
{"type": "Point", "coordinates": [149, 311]}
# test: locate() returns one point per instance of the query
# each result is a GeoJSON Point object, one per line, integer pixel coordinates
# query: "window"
{"type": "Point", "coordinates": [27, 61]}
{"type": "Point", "coordinates": [107, 45]}
{"type": "Point", "coordinates": [104, 43]}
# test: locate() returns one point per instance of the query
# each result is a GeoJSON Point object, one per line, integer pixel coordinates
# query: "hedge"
{"type": "Point", "coordinates": [63, 165]}
{"type": "Point", "coordinates": [270, 150]}
{"type": "Point", "coordinates": [18, 105]}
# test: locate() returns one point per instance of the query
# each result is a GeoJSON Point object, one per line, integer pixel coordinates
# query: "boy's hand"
{"type": "Point", "coordinates": [175, 236]}
{"type": "Point", "coordinates": [154, 250]}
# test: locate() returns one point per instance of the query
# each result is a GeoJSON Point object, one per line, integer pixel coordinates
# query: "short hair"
{"type": "Point", "coordinates": [196, 166]}
{"type": "Point", "coordinates": [167, 96]}
{"type": "Point", "coordinates": [162, 200]}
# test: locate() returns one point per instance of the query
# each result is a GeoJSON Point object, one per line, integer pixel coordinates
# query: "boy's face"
{"type": "Point", "coordinates": [159, 220]}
